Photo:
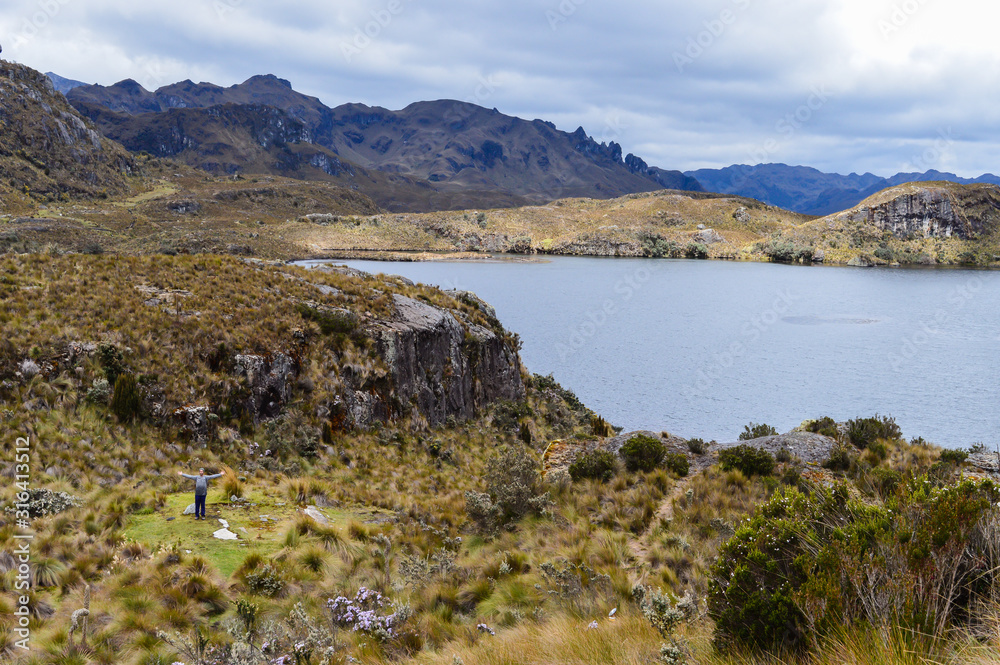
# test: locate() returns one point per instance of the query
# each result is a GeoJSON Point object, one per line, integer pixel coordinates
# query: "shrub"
{"type": "Point", "coordinates": [513, 491]}
{"type": "Point", "coordinates": [826, 426]}
{"type": "Point", "coordinates": [265, 580]}
{"type": "Point", "coordinates": [885, 481]}
{"type": "Point", "coordinates": [696, 250]}
{"type": "Point", "coordinates": [697, 446]}
{"type": "Point", "coordinates": [805, 565]}
{"type": "Point", "coordinates": [366, 612]}
{"type": "Point", "coordinates": [99, 392]}
{"type": "Point", "coordinates": [750, 460]}
{"type": "Point", "coordinates": [656, 246]}
{"type": "Point", "coordinates": [42, 502]}
{"type": "Point", "coordinates": [840, 459]}
{"type": "Point", "coordinates": [126, 401]}
{"type": "Point", "coordinates": [785, 251]}
{"type": "Point", "coordinates": [599, 465]}
{"type": "Point", "coordinates": [642, 453]}
{"type": "Point", "coordinates": [878, 450]}
{"type": "Point", "coordinates": [956, 457]}
{"type": "Point", "coordinates": [665, 615]}
{"type": "Point", "coordinates": [676, 463]}
{"type": "Point", "coordinates": [862, 432]}
{"type": "Point", "coordinates": [754, 431]}
{"type": "Point", "coordinates": [112, 361]}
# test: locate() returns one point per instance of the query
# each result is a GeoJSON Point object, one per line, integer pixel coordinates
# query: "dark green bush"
{"type": "Point", "coordinates": [697, 446]}
{"type": "Point", "coordinates": [786, 251]}
{"type": "Point", "coordinates": [826, 426]}
{"type": "Point", "coordinates": [656, 246]}
{"type": "Point", "coordinates": [864, 431]}
{"type": "Point", "coordinates": [953, 456]}
{"type": "Point", "coordinates": [755, 431]}
{"type": "Point", "coordinates": [642, 453]}
{"type": "Point", "coordinates": [840, 459]}
{"type": "Point", "coordinates": [696, 250]}
{"type": "Point", "coordinates": [805, 565]}
{"type": "Point", "coordinates": [599, 465]}
{"type": "Point", "coordinates": [676, 463]}
{"type": "Point", "coordinates": [752, 461]}
{"type": "Point", "coordinates": [879, 450]}
{"type": "Point", "coordinates": [338, 324]}
{"type": "Point", "coordinates": [126, 401]}
{"type": "Point", "coordinates": [112, 361]}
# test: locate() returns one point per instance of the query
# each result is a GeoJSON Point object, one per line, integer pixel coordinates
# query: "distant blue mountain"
{"type": "Point", "coordinates": [63, 85]}
{"type": "Point", "coordinates": [808, 190]}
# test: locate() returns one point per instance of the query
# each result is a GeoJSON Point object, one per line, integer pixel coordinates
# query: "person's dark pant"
{"type": "Point", "coordinates": [199, 505]}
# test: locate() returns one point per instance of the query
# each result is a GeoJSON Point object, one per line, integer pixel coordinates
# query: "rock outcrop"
{"type": "Point", "coordinates": [269, 381]}
{"type": "Point", "coordinates": [439, 366]}
{"type": "Point", "coordinates": [940, 210]}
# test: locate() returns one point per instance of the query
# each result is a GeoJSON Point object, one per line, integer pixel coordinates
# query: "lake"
{"type": "Point", "coordinates": [702, 348]}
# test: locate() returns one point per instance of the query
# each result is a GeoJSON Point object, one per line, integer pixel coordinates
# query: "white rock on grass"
{"type": "Point", "coordinates": [318, 517]}
{"type": "Point", "coordinates": [225, 534]}
{"type": "Point", "coordinates": [189, 510]}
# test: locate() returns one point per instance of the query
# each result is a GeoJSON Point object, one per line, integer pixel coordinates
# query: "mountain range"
{"type": "Point", "coordinates": [437, 155]}
{"type": "Point", "coordinates": [454, 148]}
{"type": "Point", "coordinates": [809, 191]}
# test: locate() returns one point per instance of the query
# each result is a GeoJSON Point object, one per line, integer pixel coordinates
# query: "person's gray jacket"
{"type": "Point", "coordinates": [201, 483]}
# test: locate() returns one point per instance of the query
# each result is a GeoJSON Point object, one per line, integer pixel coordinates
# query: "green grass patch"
{"type": "Point", "coordinates": [261, 527]}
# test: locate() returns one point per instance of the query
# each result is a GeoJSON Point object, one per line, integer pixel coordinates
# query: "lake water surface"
{"type": "Point", "coordinates": [701, 348]}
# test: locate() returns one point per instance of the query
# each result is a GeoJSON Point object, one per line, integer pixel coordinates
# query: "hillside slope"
{"type": "Point", "coordinates": [47, 148]}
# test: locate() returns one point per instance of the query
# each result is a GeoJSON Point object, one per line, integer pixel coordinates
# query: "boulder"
{"type": "Point", "coordinates": [189, 510]}
{"type": "Point", "coordinates": [708, 237]}
{"type": "Point", "coordinates": [313, 513]}
{"type": "Point", "coordinates": [807, 446]}
{"type": "Point", "coordinates": [195, 422]}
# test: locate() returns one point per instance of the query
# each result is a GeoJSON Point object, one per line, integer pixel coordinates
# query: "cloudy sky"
{"type": "Point", "coordinates": [842, 85]}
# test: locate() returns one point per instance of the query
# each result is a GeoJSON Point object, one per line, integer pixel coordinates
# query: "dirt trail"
{"type": "Point", "coordinates": [639, 544]}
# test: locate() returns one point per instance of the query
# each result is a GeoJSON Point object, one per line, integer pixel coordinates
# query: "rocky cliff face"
{"type": "Point", "coordinates": [942, 210]}
{"type": "Point", "coordinates": [440, 364]}
{"type": "Point", "coordinates": [47, 147]}
{"type": "Point", "coordinates": [430, 363]}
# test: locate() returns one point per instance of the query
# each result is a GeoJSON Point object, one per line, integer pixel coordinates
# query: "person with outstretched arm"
{"type": "Point", "coordinates": [200, 490]}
